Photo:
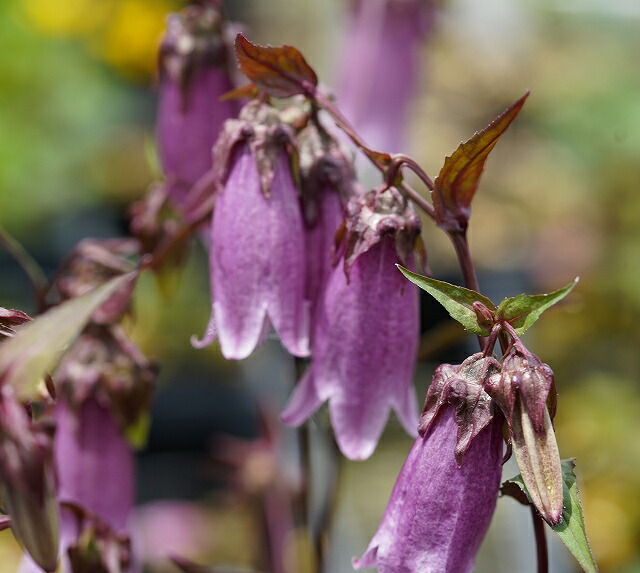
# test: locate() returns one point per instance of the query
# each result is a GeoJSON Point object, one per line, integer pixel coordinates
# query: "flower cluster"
{"type": "Point", "coordinates": [297, 246]}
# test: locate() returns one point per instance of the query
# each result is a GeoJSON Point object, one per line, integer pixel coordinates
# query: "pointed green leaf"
{"type": "Point", "coordinates": [523, 310]}
{"type": "Point", "coordinates": [571, 530]}
{"type": "Point", "coordinates": [457, 300]}
{"type": "Point", "coordinates": [459, 177]}
{"type": "Point", "coordinates": [38, 345]}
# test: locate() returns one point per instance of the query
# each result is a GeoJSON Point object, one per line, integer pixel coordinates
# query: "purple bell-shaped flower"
{"type": "Point", "coordinates": [257, 259]}
{"type": "Point", "coordinates": [194, 73]}
{"type": "Point", "coordinates": [381, 65]}
{"type": "Point", "coordinates": [444, 498]}
{"type": "Point", "coordinates": [327, 181]}
{"type": "Point", "coordinates": [366, 330]}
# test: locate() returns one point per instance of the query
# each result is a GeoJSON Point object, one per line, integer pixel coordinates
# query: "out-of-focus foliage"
{"type": "Point", "coordinates": [72, 131]}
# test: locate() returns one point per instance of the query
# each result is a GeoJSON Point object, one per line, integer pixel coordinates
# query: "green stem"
{"type": "Point", "coordinates": [28, 264]}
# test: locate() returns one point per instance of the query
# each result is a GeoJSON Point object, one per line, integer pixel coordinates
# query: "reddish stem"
{"type": "Point", "coordinates": [542, 555]}
{"type": "Point", "coordinates": [343, 123]}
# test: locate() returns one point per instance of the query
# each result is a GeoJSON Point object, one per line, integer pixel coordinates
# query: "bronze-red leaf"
{"type": "Point", "coordinates": [458, 180]}
{"type": "Point", "coordinates": [279, 71]}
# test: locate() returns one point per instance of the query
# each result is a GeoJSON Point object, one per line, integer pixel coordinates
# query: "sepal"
{"type": "Point", "coordinates": [461, 386]}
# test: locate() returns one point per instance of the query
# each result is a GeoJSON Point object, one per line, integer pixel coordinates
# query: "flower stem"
{"type": "Point", "coordinates": [541, 541]}
{"type": "Point", "coordinates": [376, 158]}
{"type": "Point", "coordinates": [167, 248]}
{"type": "Point", "coordinates": [27, 263]}
{"type": "Point", "coordinates": [461, 245]}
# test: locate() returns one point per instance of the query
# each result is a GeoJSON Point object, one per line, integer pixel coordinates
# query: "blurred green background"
{"type": "Point", "coordinates": [559, 197]}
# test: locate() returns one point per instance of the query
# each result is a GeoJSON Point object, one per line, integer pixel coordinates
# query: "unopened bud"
{"type": "Point", "coordinates": [539, 462]}
{"type": "Point", "coordinates": [27, 487]}
{"type": "Point", "coordinates": [35, 522]}
{"type": "Point", "coordinates": [484, 315]}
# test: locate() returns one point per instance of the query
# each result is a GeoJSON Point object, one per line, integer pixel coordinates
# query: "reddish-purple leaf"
{"type": "Point", "coordinates": [458, 180]}
{"type": "Point", "coordinates": [279, 71]}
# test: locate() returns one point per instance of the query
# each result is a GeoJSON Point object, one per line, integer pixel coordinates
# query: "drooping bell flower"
{"type": "Point", "coordinates": [194, 73]}
{"type": "Point", "coordinates": [381, 65]}
{"type": "Point", "coordinates": [525, 392]}
{"type": "Point", "coordinates": [95, 469]}
{"type": "Point", "coordinates": [366, 330]}
{"type": "Point", "coordinates": [94, 462]}
{"type": "Point", "coordinates": [257, 261]}
{"type": "Point", "coordinates": [443, 500]}
{"type": "Point", "coordinates": [327, 181]}
{"type": "Point", "coordinates": [103, 385]}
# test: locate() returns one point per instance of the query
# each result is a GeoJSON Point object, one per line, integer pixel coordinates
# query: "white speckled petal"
{"type": "Point", "coordinates": [365, 341]}
{"type": "Point", "coordinates": [438, 512]}
{"type": "Point", "coordinates": [257, 260]}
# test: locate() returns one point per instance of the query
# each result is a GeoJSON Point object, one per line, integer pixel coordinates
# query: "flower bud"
{"type": "Point", "coordinates": [10, 318]}
{"type": "Point", "coordinates": [257, 259]}
{"type": "Point", "coordinates": [539, 461]}
{"type": "Point", "coordinates": [522, 391]}
{"type": "Point", "coordinates": [366, 330]}
{"type": "Point", "coordinates": [27, 487]}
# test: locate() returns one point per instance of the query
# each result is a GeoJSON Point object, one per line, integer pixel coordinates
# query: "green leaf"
{"type": "Point", "coordinates": [571, 530]}
{"type": "Point", "coordinates": [279, 71]}
{"type": "Point", "coordinates": [457, 300]}
{"type": "Point", "coordinates": [459, 177]}
{"type": "Point", "coordinates": [523, 310]}
{"type": "Point", "coordinates": [38, 345]}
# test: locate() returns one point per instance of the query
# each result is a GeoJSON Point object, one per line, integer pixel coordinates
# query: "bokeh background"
{"type": "Point", "coordinates": [559, 198]}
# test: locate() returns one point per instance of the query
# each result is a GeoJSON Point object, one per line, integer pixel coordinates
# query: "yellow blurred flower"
{"type": "Point", "coordinates": [123, 33]}
{"type": "Point", "coordinates": [66, 18]}
{"type": "Point", "coordinates": [130, 41]}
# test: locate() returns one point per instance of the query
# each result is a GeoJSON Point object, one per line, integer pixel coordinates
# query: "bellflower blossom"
{"type": "Point", "coordinates": [327, 181]}
{"type": "Point", "coordinates": [366, 330]}
{"type": "Point", "coordinates": [443, 500]}
{"type": "Point", "coordinates": [257, 260]}
{"type": "Point", "coordinates": [194, 73]}
{"type": "Point", "coordinates": [104, 384]}
{"type": "Point", "coordinates": [95, 468]}
{"type": "Point", "coordinates": [381, 65]}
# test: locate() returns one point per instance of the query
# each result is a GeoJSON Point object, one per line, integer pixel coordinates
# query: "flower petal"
{"type": "Point", "coordinates": [94, 462]}
{"type": "Point", "coordinates": [257, 260]}
{"type": "Point", "coordinates": [365, 341]}
{"type": "Point", "coordinates": [304, 401]}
